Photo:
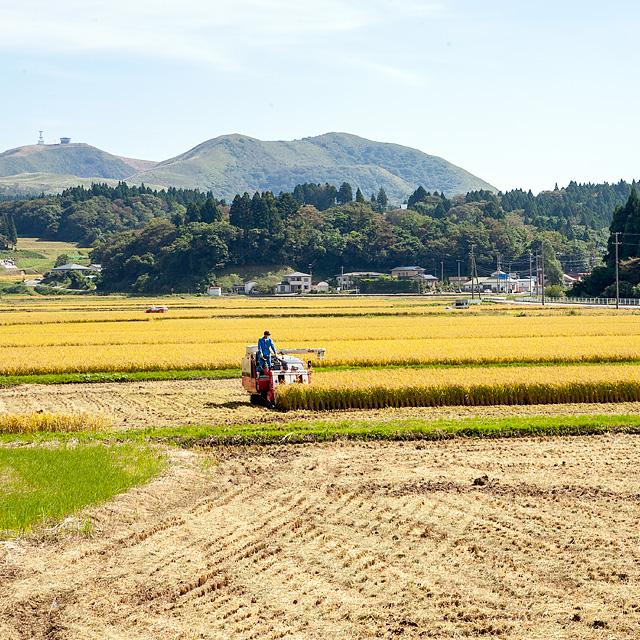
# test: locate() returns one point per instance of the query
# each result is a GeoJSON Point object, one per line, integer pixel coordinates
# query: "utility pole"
{"type": "Point", "coordinates": [530, 265]}
{"type": "Point", "coordinates": [617, 270]}
{"type": "Point", "coordinates": [442, 272]}
{"type": "Point", "coordinates": [542, 263]}
{"type": "Point", "coordinates": [473, 271]}
{"type": "Point", "coordinates": [459, 283]}
{"type": "Point", "coordinates": [497, 273]}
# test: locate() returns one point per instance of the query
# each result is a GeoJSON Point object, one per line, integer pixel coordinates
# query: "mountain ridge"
{"type": "Point", "coordinates": [77, 159]}
{"type": "Point", "coordinates": [234, 163]}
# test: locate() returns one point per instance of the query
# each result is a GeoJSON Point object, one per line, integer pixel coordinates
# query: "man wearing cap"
{"type": "Point", "coordinates": [265, 348]}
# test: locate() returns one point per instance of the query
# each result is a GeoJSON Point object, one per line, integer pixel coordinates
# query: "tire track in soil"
{"type": "Point", "coordinates": [349, 540]}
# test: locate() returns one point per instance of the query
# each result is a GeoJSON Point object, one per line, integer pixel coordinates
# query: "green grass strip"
{"type": "Point", "coordinates": [229, 373]}
{"type": "Point", "coordinates": [45, 484]}
{"type": "Point", "coordinates": [119, 376]}
{"type": "Point", "coordinates": [302, 431]}
{"type": "Point", "coordinates": [405, 429]}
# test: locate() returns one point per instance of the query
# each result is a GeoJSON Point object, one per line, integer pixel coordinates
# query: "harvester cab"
{"type": "Point", "coordinates": [286, 368]}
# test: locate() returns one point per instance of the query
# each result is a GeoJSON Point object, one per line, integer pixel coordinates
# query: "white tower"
{"type": "Point", "coordinates": [40, 139]}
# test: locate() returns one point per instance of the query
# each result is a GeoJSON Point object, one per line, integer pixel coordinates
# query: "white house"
{"type": "Point", "coordinates": [404, 273]}
{"type": "Point", "coordinates": [295, 282]}
{"type": "Point", "coordinates": [250, 286]}
{"type": "Point", "coordinates": [321, 287]}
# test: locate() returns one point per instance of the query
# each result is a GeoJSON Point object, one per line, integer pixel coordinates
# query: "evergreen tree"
{"type": "Point", "coordinates": [8, 235]}
{"type": "Point", "coordinates": [240, 211]}
{"type": "Point", "coordinates": [631, 236]}
{"type": "Point", "coordinates": [382, 200]}
{"type": "Point", "coordinates": [193, 212]}
{"type": "Point", "coordinates": [209, 212]}
{"type": "Point", "coordinates": [359, 196]}
{"type": "Point", "coordinates": [287, 206]}
{"type": "Point", "coordinates": [345, 194]}
{"type": "Point", "coordinates": [259, 212]}
{"type": "Point", "coordinates": [417, 196]}
{"type": "Point", "coordinates": [622, 221]}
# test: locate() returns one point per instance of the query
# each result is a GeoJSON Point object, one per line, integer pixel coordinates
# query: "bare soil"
{"type": "Point", "coordinates": [224, 402]}
{"type": "Point", "coordinates": [349, 540]}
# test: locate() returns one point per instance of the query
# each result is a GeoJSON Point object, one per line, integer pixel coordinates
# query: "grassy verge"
{"type": "Point", "coordinates": [229, 373]}
{"type": "Point", "coordinates": [301, 431]}
{"type": "Point", "coordinates": [119, 376]}
{"type": "Point", "coordinates": [407, 429]}
{"type": "Point", "coordinates": [42, 484]}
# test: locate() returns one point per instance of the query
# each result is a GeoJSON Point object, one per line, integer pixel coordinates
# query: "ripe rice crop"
{"type": "Point", "coordinates": [367, 389]}
{"type": "Point", "coordinates": [217, 343]}
{"type": "Point", "coordinates": [52, 422]}
{"type": "Point", "coordinates": [113, 334]}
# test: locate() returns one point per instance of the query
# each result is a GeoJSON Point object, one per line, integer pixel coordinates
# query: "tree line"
{"type": "Point", "coordinates": [178, 239]}
{"type": "Point", "coordinates": [623, 246]}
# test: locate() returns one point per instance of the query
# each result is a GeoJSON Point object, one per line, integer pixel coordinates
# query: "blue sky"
{"type": "Point", "coordinates": [521, 93]}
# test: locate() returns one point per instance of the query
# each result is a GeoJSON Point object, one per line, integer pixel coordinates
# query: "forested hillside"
{"type": "Point", "coordinates": [149, 240]}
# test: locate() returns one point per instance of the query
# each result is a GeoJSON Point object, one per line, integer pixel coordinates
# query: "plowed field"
{"type": "Point", "coordinates": [350, 541]}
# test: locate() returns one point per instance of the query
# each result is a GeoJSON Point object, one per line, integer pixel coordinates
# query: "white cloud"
{"type": "Point", "coordinates": [212, 32]}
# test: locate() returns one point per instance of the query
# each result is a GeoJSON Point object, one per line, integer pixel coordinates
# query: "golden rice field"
{"type": "Point", "coordinates": [114, 334]}
{"type": "Point", "coordinates": [372, 389]}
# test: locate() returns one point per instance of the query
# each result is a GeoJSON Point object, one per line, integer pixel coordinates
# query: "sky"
{"type": "Point", "coordinates": [521, 93]}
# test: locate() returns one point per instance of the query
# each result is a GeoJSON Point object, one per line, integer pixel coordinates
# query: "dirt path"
{"type": "Point", "coordinates": [219, 402]}
{"type": "Point", "coordinates": [350, 541]}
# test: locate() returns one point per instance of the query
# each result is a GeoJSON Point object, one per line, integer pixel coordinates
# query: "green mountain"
{"type": "Point", "coordinates": [77, 159]}
{"type": "Point", "coordinates": [235, 163]}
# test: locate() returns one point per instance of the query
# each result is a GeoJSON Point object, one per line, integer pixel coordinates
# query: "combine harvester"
{"type": "Point", "coordinates": [286, 369]}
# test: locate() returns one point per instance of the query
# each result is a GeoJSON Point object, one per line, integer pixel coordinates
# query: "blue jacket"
{"type": "Point", "coordinates": [265, 345]}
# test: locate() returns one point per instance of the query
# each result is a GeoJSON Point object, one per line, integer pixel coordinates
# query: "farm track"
{"type": "Point", "coordinates": [349, 541]}
{"type": "Point", "coordinates": [224, 402]}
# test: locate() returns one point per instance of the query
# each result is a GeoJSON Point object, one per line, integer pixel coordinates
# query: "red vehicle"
{"type": "Point", "coordinates": [156, 308]}
{"type": "Point", "coordinates": [285, 369]}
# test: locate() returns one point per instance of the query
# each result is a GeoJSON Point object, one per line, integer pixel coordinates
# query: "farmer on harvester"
{"type": "Point", "coordinates": [265, 348]}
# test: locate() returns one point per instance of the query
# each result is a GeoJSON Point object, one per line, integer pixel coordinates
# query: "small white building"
{"type": "Point", "coordinates": [213, 290]}
{"type": "Point", "coordinates": [250, 286]}
{"type": "Point", "coordinates": [72, 266]}
{"type": "Point", "coordinates": [295, 282]}
{"type": "Point", "coordinates": [321, 287]}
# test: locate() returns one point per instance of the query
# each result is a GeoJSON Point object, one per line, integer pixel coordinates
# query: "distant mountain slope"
{"type": "Point", "coordinates": [76, 159]}
{"type": "Point", "coordinates": [30, 184]}
{"type": "Point", "coordinates": [235, 163]}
